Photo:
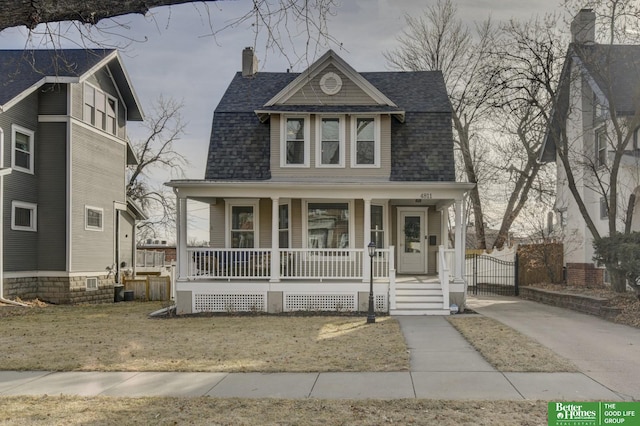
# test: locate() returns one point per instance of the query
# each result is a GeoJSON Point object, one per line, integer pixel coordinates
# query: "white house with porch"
{"type": "Point", "coordinates": [304, 171]}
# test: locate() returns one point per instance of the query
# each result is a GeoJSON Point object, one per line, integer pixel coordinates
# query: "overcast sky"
{"type": "Point", "coordinates": [175, 56]}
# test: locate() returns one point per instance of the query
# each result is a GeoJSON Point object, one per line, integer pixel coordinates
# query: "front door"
{"type": "Point", "coordinates": [412, 231]}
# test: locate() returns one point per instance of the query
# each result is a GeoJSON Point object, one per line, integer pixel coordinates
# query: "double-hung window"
{"type": "Point", "coordinates": [365, 136]}
{"type": "Point", "coordinates": [242, 224]}
{"type": "Point", "coordinates": [100, 109]}
{"type": "Point", "coordinates": [330, 148]}
{"type": "Point", "coordinates": [295, 146]}
{"type": "Point", "coordinates": [601, 147]}
{"type": "Point", "coordinates": [22, 149]}
{"type": "Point", "coordinates": [24, 216]}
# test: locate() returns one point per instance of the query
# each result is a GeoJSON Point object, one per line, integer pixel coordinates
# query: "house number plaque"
{"type": "Point", "coordinates": [425, 196]}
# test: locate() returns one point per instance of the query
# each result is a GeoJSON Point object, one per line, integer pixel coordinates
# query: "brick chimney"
{"type": "Point", "coordinates": [249, 62]}
{"type": "Point", "coordinates": [583, 27]}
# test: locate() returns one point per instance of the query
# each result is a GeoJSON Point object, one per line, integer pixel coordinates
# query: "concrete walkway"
{"type": "Point", "coordinates": [443, 366]}
{"type": "Point", "coordinates": [606, 352]}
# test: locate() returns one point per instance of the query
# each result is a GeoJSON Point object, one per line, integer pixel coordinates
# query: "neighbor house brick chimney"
{"type": "Point", "coordinates": [249, 62]}
{"type": "Point", "coordinates": [583, 27]}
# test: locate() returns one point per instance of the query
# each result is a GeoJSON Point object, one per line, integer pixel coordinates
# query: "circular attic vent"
{"type": "Point", "coordinates": [331, 83]}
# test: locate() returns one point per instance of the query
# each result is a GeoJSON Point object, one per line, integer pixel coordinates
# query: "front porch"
{"type": "Point", "coordinates": [286, 280]}
{"type": "Point", "coordinates": [277, 246]}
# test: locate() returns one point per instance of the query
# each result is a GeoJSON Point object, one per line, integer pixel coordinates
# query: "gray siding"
{"type": "Point", "coordinates": [20, 246]}
{"type": "Point", "coordinates": [312, 94]}
{"type": "Point", "coordinates": [51, 167]}
{"type": "Point", "coordinates": [217, 224]}
{"type": "Point", "coordinates": [52, 99]}
{"type": "Point", "coordinates": [98, 181]}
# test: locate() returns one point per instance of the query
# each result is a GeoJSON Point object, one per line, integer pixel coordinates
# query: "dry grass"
{"type": "Point", "coordinates": [212, 411]}
{"type": "Point", "coordinates": [121, 337]}
{"type": "Point", "coordinates": [507, 349]}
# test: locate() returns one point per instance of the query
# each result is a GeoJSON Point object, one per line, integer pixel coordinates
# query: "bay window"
{"type": "Point", "coordinates": [295, 146]}
{"type": "Point", "coordinates": [365, 142]}
{"type": "Point", "coordinates": [330, 148]}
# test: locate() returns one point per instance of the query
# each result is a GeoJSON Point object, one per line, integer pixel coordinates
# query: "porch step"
{"type": "Point", "coordinates": [415, 298]}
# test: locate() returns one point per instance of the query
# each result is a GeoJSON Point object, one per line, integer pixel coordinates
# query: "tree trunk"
{"type": "Point", "coordinates": [31, 13]}
{"type": "Point", "coordinates": [618, 280]}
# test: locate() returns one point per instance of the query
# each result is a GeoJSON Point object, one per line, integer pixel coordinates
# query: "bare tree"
{"type": "Point", "coordinates": [100, 22]}
{"type": "Point", "coordinates": [165, 126]}
{"type": "Point", "coordinates": [527, 65]}
{"type": "Point", "coordinates": [438, 40]}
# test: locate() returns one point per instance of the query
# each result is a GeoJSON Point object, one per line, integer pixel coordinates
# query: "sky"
{"type": "Point", "coordinates": [172, 53]}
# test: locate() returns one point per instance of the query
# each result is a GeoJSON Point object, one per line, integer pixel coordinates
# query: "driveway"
{"type": "Point", "coordinates": [609, 353]}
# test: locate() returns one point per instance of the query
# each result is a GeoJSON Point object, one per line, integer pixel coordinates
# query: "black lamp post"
{"type": "Point", "coordinates": [371, 316]}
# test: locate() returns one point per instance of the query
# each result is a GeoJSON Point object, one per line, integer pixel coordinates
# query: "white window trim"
{"type": "Point", "coordinates": [341, 142]}
{"type": "Point", "coordinates": [601, 131]}
{"type": "Point", "coordinates": [15, 129]}
{"type": "Point", "coordinates": [91, 288]}
{"type": "Point", "coordinates": [34, 217]}
{"type": "Point", "coordinates": [229, 204]}
{"type": "Point", "coordinates": [288, 204]}
{"type": "Point", "coordinates": [305, 219]}
{"type": "Point", "coordinates": [88, 227]}
{"type": "Point", "coordinates": [107, 96]}
{"type": "Point", "coordinates": [354, 142]}
{"type": "Point", "coordinates": [283, 141]}
{"type": "Point", "coordinates": [385, 222]}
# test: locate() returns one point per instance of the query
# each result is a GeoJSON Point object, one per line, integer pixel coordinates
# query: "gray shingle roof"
{"type": "Point", "coordinates": [422, 145]}
{"type": "Point", "coordinates": [20, 69]}
{"type": "Point", "coordinates": [615, 69]}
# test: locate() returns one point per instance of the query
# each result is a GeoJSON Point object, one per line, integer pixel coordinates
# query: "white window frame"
{"type": "Point", "coordinates": [230, 203]}
{"type": "Point", "coordinates": [305, 219]}
{"type": "Point", "coordinates": [283, 141]}
{"type": "Point", "coordinates": [341, 141]}
{"type": "Point", "coordinates": [600, 136]}
{"type": "Point", "coordinates": [288, 229]}
{"type": "Point", "coordinates": [385, 223]}
{"type": "Point", "coordinates": [354, 142]}
{"type": "Point", "coordinates": [31, 134]}
{"type": "Point", "coordinates": [88, 227]}
{"type": "Point", "coordinates": [34, 216]}
{"type": "Point", "coordinates": [91, 287]}
{"type": "Point", "coordinates": [93, 109]}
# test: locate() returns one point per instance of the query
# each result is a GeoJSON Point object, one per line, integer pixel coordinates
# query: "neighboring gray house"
{"type": "Point", "coordinates": [67, 224]}
{"type": "Point", "coordinates": [304, 171]}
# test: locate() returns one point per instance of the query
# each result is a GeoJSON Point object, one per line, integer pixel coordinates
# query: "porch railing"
{"type": "Point", "coordinates": [446, 264]}
{"type": "Point", "coordinates": [319, 264]}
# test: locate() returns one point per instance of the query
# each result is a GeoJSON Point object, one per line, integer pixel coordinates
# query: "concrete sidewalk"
{"type": "Point", "coordinates": [443, 366]}
{"type": "Point", "coordinates": [606, 352]}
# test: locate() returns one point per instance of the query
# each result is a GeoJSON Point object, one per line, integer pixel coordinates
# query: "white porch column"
{"type": "Point", "coordinates": [275, 240]}
{"type": "Point", "coordinates": [181, 249]}
{"type": "Point", "coordinates": [444, 228]}
{"type": "Point", "coordinates": [366, 263]}
{"type": "Point", "coordinates": [459, 241]}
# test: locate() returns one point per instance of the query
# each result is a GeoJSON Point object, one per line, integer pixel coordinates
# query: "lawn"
{"type": "Point", "coordinates": [121, 337]}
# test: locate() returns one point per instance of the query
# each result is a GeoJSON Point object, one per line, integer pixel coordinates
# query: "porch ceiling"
{"type": "Point", "coordinates": [419, 193]}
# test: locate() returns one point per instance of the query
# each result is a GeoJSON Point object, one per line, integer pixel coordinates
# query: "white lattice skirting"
{"type": "Point", "coordinates": [257, 302]}
{"type": "Point", "coordinates": [230, 302]}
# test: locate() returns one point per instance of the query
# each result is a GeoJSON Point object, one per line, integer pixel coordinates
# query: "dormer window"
{"type": "Point", "coordinates": [330, 149]}
{"type": "Point", "coordinates": [295, 142]}
{"type": "Point", "coordinates": [366, 142]}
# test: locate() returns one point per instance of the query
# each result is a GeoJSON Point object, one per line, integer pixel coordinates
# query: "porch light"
{"type": "Point", "coordinates": [371, 316]}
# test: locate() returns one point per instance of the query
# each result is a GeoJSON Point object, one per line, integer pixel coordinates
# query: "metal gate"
{"type": "Point", "coordinates": [486, 275]}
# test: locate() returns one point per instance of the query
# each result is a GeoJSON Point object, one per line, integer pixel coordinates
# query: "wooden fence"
{"type": "Point", "coordinates": [540, 263]}
{"type": "Point", "coordinates": [149, 287]}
